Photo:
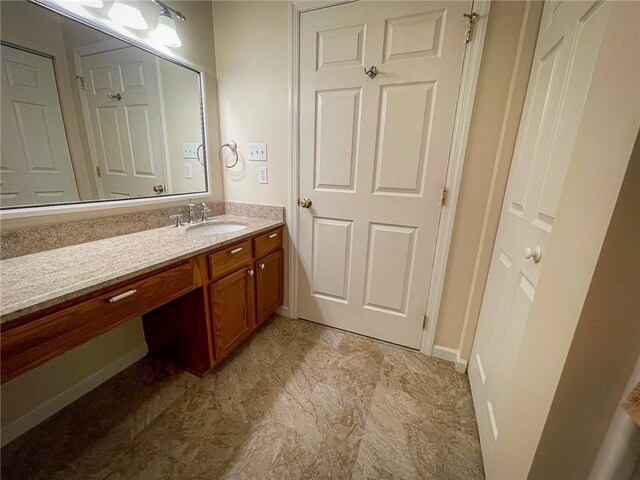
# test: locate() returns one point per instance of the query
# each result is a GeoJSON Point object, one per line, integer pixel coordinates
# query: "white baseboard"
{"type": "Point", "coordinates": [39, 414]}
{"type": "Point", "coordinates": [450, 355]}
{"type": "Point", "coordinates": [283, 310]}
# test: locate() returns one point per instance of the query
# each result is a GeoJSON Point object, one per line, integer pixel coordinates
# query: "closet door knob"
{"type": "Point", "coordinates": [535, 254]}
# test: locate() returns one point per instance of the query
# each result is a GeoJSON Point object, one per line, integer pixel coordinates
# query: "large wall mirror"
{"type": "Point", "coordinates": [87, 116]}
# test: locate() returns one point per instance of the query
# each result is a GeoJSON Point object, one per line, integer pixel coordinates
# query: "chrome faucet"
{"type": "Point", "coordinates": [205, 211]}
{"type": "Point", "coordinates": [192, 211]}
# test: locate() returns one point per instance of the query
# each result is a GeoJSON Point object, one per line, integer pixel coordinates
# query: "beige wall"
{"type": "Point", "coordinates": [604, 350]}
{"type": "Point", "coordinates": [606, 135]}
{"type": "Point", "coordinates": [43, 390]}
{"type": "Point", "coordinates": [504, 73]}
{"type": "Point", "coordinates": [253, 84]}
{"type": "Point", "coordinates": [43, 387]}
{"type": "Point", "coordinates": [252, 61]}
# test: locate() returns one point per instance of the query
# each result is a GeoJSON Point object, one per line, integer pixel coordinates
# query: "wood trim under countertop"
{"type": "Point", "coordinates": [37, 340]}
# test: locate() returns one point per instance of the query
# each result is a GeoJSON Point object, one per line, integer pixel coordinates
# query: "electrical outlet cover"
{"type": "Point", "coordinates": [263, 176]}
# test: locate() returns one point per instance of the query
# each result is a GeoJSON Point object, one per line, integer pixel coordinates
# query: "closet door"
{"type": "Point", "coordinates": [566, 52]}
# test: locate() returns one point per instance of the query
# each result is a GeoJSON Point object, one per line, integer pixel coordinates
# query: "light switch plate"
{"type": "Point", "coordinates": [257, 151]}
{"type": "Point", "coordinates": [188, 170]}
{"type": "Point", "coordinates": [263, 176]}
{"type": "Point", "coordinates": [190, 150]}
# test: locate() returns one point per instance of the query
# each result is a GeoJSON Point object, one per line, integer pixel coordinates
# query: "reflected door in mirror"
{"type": "Point", "coordinates": [123, 123]}
{"type": "Point", "coordinates": [35, 165]}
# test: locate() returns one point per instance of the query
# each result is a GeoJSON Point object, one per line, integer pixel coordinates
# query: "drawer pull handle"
{"type": "Point", "coordinates": [273, 235]}
{"type": "Point", "coordinates": [122, 296]}
{"type": "Point", "coordinates": [261, 265]}
{"type": "Point", "coordinates": [235, 250]}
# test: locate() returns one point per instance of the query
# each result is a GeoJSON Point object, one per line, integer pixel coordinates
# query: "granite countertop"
{"type": "Point", "coordinates": [31, 283]}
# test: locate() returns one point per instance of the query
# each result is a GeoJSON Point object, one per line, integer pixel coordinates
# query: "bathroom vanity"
{"type": "Point", "coordinates": [199, 295]}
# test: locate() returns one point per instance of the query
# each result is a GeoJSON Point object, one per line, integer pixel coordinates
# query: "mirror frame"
{"type": "Point", "coordinates": [110, 28]}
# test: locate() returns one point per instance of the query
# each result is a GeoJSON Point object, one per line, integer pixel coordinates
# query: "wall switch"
{"type": "Point", "coordinates": [257, 151]}
{"type": "Point", "coordinates": [263, 175]}
{"type": "Point", "coordinates": [188, 171]}
{"type": "Point", "coordinates": [190, 150]}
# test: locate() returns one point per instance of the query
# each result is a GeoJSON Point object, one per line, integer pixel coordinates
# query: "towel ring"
{"type": "Point", "coordinates": [233, 146]}
{"type": "Point", "coordinates": [200, 160]}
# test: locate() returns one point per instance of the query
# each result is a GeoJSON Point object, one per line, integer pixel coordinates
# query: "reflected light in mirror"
{"type": "Point", "coordinates": [92, 3]}
{"type": "Point", "coordinates": [165, 32]}
{"type": "Point", "coordinates": [127, 14]}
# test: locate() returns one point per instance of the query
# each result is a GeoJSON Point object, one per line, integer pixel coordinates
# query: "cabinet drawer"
{"type": "Point", "coordinates": [28, 345]}
{"type": "Point", "coordinates": [268, 242]}
{"type": "Point", "coordinates": [230, 259]}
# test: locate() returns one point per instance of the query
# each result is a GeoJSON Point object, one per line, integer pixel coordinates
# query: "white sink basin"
{"type": "Point", "coordinates": [216, 228]}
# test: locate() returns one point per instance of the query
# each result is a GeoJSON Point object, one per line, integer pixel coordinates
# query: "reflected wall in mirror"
{"type": "Point", "coordinates": [87, 117]}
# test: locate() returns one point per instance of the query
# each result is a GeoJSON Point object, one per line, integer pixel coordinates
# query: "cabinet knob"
{"type": "Point", "coordinates": [251, 273]}
{"type": "Point", "coordinates": [261, 265]}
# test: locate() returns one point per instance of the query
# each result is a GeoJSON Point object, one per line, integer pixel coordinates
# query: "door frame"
{"type": "Point", "coordinates": [462, 122]}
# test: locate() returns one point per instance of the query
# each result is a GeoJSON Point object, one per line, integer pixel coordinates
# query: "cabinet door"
{"type": "Point", "coordinates": [233, 311]}
{"type": "Point", "coordinates": [269, 272]}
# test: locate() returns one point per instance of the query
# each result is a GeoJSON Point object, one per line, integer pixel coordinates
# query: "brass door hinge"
{"type": "Point", "coordinates": [443, 196]}
{"type": "Point", "coordinates": [471, 17]}
{"type": "Point", "coordinates": [98, 171]}
{"type": "Point", "coordinates": [424, 320]}
{"type": "Point", "coordinates": [82, 85]}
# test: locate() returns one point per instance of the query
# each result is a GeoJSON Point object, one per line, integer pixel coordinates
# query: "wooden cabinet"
{"type": "Point", "coordinates": [31, 341]}
{"type": "Point", "coordinates": [233, 317]}
{"type": "Point", "coordinates": [267, 243]}
{"type": "Point", "coordinates": [194, 312]}
{"type": "Point", "coordinates": [269, 285]}
{"type": "Point", "coordinates": [230, 259]}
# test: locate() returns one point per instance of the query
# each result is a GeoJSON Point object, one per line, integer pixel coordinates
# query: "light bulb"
{"type": "Point", "coordinates": [165, 32]}
{"type": "Point", "coordinates": [127, 14]}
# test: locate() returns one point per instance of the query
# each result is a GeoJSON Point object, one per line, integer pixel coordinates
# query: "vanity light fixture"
{"type": "Point", "coordinates": [127, 14]}
{"type": "Point", "coordinates": [165, 32]}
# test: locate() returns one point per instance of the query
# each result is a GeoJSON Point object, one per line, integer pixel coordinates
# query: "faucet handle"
{"type": "Point", "coordinates": [205, 210]}
{"type": "Point", "coordinates": [177, 218]}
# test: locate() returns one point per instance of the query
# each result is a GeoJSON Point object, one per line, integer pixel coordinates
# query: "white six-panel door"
{"type": "Point", "coordinates": [373, 158]}
{"type": "Point", "coordinates": [35, 164]}
{"type": "Point", "coordinates": [126, 133]}
{"type": "Point", "coordinates": [566, 50]}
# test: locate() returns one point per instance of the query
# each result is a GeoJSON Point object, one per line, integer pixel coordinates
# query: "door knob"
{"type": "Point", "coordinates": [262, 265]}
{"type": "Point", "coordinates": [305, 202]}
{"type": "Point", "coordinates": [536, 254]}
{"type": "Point", "coordinates": [158, 188]}
{"type": "Point", "coordinates": [251, 273]}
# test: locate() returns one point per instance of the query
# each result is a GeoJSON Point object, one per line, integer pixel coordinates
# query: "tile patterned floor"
{"type": "Point", "coordinates": [296, 401]}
